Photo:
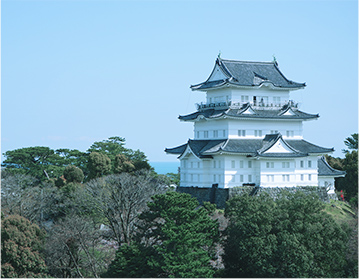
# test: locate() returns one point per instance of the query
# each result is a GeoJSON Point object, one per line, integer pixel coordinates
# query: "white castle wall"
{"type": "Point", "coordinates": [230, 171]}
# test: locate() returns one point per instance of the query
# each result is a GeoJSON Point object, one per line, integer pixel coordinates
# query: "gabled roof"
{"type": "Point", "coordinates": [246, 73]}
{"type": "Point", "coordinates": [242, 113]}
{"type": "Point", "coordinates": [251, 147]}
{"type": "Point", "coordinates": [324, 169]}
{"type": "Point", "coordinates": [274, 145]}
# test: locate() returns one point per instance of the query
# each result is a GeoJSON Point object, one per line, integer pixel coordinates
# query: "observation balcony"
{"type": "Point", "coordinates": [236, 105]}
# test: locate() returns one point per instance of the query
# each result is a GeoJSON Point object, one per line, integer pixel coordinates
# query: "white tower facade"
{"type": "Point", "coordinates": [250, 132]}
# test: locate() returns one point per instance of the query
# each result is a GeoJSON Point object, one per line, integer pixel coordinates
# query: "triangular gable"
{"type": "Point", "coordinates": [217, 74]}
{"type": "Point", "coordinates": [276, 144]}
{"type": "Point", "coordinates": [248, 110]}
{"type": "Point", "coordinates": [288, 112]}
{"type": "Point", "coordinates": [187, 152]}
{"type": "Point", "coordinates": [279, 147]}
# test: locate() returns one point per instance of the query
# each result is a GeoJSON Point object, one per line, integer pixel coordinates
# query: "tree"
{"type": "Point", "coordinates": [123, 164]}
{"type": "Point", "coordinates": [349, 183]}
{"type": "Point", "coordinates": [38, 162]}
{"type": "Point", "coordinates": [21, 248]}
{"type": "Point", "coordinates": [98, 164]}
{"type": "Point", "coordinates": [120, 198]}
{"type": "Point", "coordinates": [289, 237]}
{"type": "Point", "coordinates": [74, 249]}
{"type": "Point", "coordinates": [73, 174]}
{"type": "Point", "coordinates": [23, 195]}
{"type": "Point", "coordinates": [176, 239]}
{"type": "Point", "coordinates": [115, 146]}
{"type": "Point", "coordinates": [351, 142]}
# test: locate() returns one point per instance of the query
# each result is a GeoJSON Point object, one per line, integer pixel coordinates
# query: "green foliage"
{"type": "Point", "coordinates": [73, 157]}
{"type": "Point", "coordinates": [120, 198]}
{"type": "Point", "coordinates": [21, 246]}
{"type": "Point", "coordinates": [73, 174]}
{"type": "Point", "coordinates": [176, 239]}
{"type": "Point", "coordinates": [289, 237]}
{"type": "Point", "coordinates": [115, 146]}
{"type": "Point", "coordinates": [349, 183]}
{"type": "Point", "coordinates": [123, 164]}
{"type": "Point", "coordinates": [34, 161]}
{"type": "Point", "coordinates": [351, 142]}
{"type": "Point", "coordinates": [174, 178]}
{"type": "Point", "coordinates": [98, 164]}
{"type": "Point", "coordinates": [110, 147]}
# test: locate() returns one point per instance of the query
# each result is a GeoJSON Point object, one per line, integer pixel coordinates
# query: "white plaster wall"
{"type": "Point", "coordinates": [234, 170]}
{"type": "Point", "coordinates": [221, 126]}
{"type": "Point", "coordinates": [235, 94]}
{"type": "Point", "coordinates": [328, 182]}
{"type": "Point", "coordinates": [266, 127]}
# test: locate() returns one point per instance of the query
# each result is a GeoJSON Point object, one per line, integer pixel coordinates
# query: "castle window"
{"type": "Point", "coordinates": [257, 133]}
{"type": "Point", "coordinates": [215, 178]}
{"type": "Point", "coordinates": [270, 165]}
{"type": "Point", "coordinates": [285, 177]}
{"type": "Point", "coordinates": [309, 164]}
{"type": "Point", "coordinates": [198, 164]}
{"type": "Point", "coordinates": [302, 164]}
{"type": "Point", "coordinates": [290, 133]}
{"type": "Point", "coordinates": [301, 177]}
{"type": "Point", "coordinates": [206, 134]}
{"type": "Point", "coordinates": [244, 99]}
{"type": "Point", "coordinates": [249, 178]}
{"type": "Point", "coordinates": [274, 131]}
{"type": "Point", "coordinates": [249, 164]}
{"type": "Point", "coordinates": [191, 165]}
{"type": "Point", "coordinates": [233, 178]}
{"type": "Point", "coordinates": [309, 177]}
{"type": "Point", "coordinates": [224, 133]}
{"type": "Point", "coordinates": [285, 165]}
{"type": "Point", "coordinates": [270, 178]}
{"type": "Point", "coordinates": [241, 164]}
{"type": "Point", "coordinates": [233, 164]}
{"type": "Point", "coordinates": [242, 133]}
{"type": "Point", "coordinates": [214, 164]}
{"type": "Point", "coordinates": [197, 134]}
{"type": "Point", "coordinates": [215, 134]}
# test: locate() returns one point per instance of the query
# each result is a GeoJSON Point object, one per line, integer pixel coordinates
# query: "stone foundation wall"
{"type": "Point", "coordinates": [219, 196]}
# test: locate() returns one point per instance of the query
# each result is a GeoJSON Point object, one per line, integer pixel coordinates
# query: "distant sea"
{"type": "Point", "coordinates": [165, 167]}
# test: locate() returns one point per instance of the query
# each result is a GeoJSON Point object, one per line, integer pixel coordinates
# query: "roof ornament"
{"type": "Point", "coordinates": [275, 60]}
{"type": "Point", "coordinates": [219, 54]}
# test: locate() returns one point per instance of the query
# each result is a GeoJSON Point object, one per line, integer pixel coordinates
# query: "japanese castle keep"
{"type": "Point", "coordinates": [250, 132]}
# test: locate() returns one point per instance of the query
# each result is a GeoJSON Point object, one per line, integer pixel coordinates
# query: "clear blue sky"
{"type": "Point", "coordinates": [75, 72]}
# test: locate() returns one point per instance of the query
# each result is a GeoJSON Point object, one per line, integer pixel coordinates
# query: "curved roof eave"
{"type": "Point", "coordinates": [226, 84]}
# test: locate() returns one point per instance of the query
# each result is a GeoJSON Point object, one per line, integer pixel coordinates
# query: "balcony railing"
{"type": "Point", "coordinates": [236, 105]}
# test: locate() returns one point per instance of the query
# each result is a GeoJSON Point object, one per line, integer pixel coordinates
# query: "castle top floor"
{"type": "Point", "coordinates": [246, 75]}
{"type": "Point", "coordinates": [261, 84]}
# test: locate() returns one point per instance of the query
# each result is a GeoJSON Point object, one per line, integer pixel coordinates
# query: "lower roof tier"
{"type": "Point", "coordinates": [272, 146]}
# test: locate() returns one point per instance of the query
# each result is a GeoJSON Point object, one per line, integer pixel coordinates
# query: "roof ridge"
{"type": "Point", "coordinates": [247, 61]}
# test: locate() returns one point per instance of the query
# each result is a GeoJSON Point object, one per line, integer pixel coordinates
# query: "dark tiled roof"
{"type": "Point", "coordinates": [252, 147]}
{"type": "Point", "coordinates": [325, 170]}
{"type": "Point", "coordinates": [308, 147]}
{"type": "Point", "coordinates": [243, 73]}
{"type": "Point", "coordinates": [258, 113]}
